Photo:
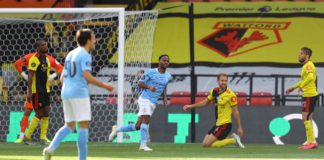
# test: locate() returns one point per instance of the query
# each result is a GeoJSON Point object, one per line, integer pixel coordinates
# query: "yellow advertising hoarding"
{"type": "Point", "coordinates": [233, 33]}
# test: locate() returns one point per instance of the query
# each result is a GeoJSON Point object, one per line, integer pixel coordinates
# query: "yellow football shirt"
{"type": "Point", "coordinates": [308, 80]}
{"type": "Point", "coordinates": [41, 65]}
{"type": "Point", "coordinates": [225, 102]}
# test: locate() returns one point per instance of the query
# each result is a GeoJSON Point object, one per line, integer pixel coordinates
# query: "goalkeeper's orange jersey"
{"type": "Point", "coordinates": [42, 64]}
{"type": "Point", "coordinates": [308, 80]}
{"type": "Point", "coordinates": [223, 108]}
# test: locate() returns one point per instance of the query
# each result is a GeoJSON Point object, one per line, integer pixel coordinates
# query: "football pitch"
{"type": "Point", "coordinates": [103, 151]}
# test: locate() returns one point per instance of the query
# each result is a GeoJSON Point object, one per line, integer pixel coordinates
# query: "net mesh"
{"type": "Point", "coordinates": [18, 36]}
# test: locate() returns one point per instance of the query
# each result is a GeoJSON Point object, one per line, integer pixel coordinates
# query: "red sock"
{"type": "Point", "coordinates": [23, 124]}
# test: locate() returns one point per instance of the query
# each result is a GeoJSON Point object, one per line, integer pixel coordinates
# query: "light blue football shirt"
{"type": "Point", "coordinates": [74, 83]}
{"type": "Point", "coordinates": [154, 78]}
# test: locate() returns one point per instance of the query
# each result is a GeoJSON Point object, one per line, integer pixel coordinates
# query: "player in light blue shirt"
{"type": "Point", "coordinates": [75, 86]}
{"type": "Point", "coordinates": [153, 78]}
{"type": "Point", "coordinates": [154, 83]}
{"type": "Point", "coordinates": [75, 94]}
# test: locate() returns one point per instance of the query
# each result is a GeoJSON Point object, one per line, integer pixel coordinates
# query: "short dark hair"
{"type": "Point", "coordinates": [82, 36]}
{"type": "Point", "coordinates": [163, 56]}
{"type": "Point", "coordinates": [221, 75]}
{"type": "Point", "coordinates": [307, 51]}
{"type": "Point", "coordinates": [38, 41]}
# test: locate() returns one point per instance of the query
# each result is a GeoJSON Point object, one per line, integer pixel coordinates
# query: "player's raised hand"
{"type": "Point", "coordinates": [289, 90]}
{"type": "Point", "coordinates": [186, 107]}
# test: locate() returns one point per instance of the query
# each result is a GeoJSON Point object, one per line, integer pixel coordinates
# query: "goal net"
{"type": "Point", "coordinates": [18, 36]}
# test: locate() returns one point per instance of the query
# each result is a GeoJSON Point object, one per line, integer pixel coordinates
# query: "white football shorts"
{"type": "Point", "coordinates": [146, 107]}
{"type": "Point", "coordinates": [77, 109]}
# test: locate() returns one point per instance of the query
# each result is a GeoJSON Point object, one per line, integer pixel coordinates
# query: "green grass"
{"type": "Point", "coordinates": [101, 151]}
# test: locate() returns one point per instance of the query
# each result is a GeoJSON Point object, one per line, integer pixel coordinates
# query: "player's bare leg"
{"type": "Point", "coordinates": [139, 122]}
{"type": "Point", "coordinates": [208, 140]}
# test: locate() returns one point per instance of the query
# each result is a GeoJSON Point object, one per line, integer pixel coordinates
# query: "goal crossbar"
{"type": "Point", "coordinates": [60, 10]}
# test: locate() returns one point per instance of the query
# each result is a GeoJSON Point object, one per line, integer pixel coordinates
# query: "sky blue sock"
{"type": "Point", "coordinates": [83, 134]}
{"type": "Point", "coordinates": [144, 133]}
{"type": "Point", "coordinates": [59, 136]}
{"type": "Point", "coordinates": [130, 127]}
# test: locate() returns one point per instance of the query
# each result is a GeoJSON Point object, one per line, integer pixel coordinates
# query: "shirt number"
{"type": "Point", "coordinates": [69, 69]}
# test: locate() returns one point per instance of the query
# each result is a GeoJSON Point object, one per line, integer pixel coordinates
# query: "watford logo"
{"type": "Point", "coordinates": [234, 38]}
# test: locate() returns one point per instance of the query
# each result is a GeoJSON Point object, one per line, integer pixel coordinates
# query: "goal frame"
{"type": "Point", "coordinates": [121, 44]}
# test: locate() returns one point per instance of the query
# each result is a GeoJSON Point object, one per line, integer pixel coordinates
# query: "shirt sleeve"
{"type": "Point", "coordinates": [19, 65]}
{"type": "Point", "coordinates": [297, 85]}
{"type": "Point", "coordinates": [145, 77]}
{"type": "Point", "coordinates": [233, 101]}
{"type": "Point", "coordinates": [23, 61]}
{"type": "Point", "coordinates": [210, 96]}
{"type": "Point", "coordinates": [170, 78]}
{"type": "Point", "coordinates": [56, 65]}
{"type": "Point", "coordinates": [310, 77]}
{"type": "Point", "coordinates": [33, 64]}
{"type": "Point", "coordinates": [309, 69]}
{"type": "Point", "coordinates": [86, 62]}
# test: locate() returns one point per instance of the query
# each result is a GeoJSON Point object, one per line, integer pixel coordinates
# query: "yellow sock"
{"type": "Point", "coordinates": [32, 126]}
{"type": "Point", "coordinates": [223, 142]}
{"type": "Point", "coordinates": [309, 131]}
{"type": "Point", "coordinates": [44, 127]}
{"type": "Point", "coordinates": [306, 123]}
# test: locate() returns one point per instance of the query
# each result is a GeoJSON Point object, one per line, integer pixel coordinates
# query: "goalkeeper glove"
{"type": "Point", "coordinates": [53, 76]}
{"type": "Point", "coordinates": [24, 75]}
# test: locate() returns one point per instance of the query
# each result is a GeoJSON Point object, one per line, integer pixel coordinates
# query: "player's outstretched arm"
{"type": "Point", "coordinates": [202, 103]}
{"type": "Point", "coordinates": [297, 85]}
{"type": "Point", "coordinates": [289, 90]}
{"type": "Point", "coordinates": [236, 115]}
{"type": "Point", "coordinates": [88, 77]}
